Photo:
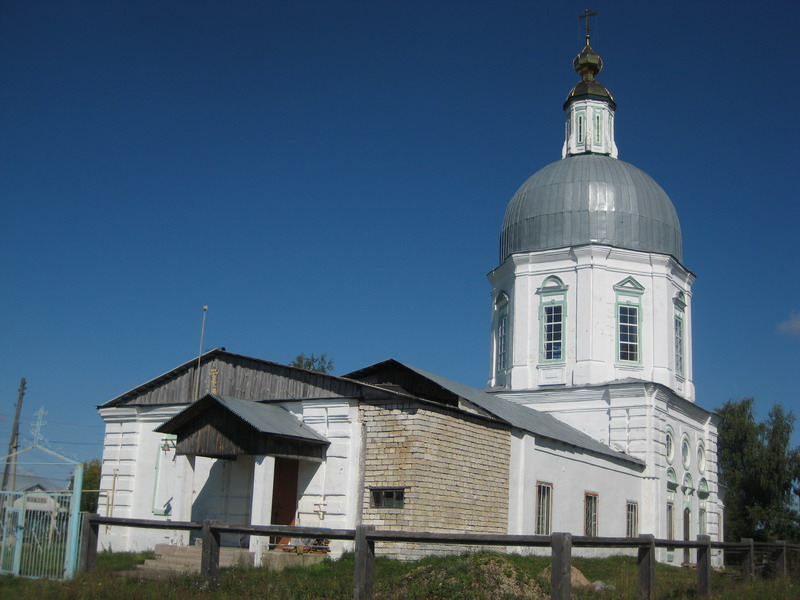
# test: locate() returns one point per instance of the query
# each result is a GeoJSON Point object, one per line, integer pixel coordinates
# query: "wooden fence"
{"type": "Point", "coordinates": [365, 536]}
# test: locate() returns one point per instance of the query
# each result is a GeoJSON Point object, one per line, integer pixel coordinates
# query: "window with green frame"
{"type": "Point", "coordinates": [679, 331]}
{"type": "Point", "coordinates": [552, 320]}
{"type": "Point", "coordinates": [501, 333]}
{"type": "Point", "coordinates": [629, 320]}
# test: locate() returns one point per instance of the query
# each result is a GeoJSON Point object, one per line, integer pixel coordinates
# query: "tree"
{"type": "Point", "coordinates": [320, 364]}
{"type": "Point", "coordinates": [90, 485]}
{"type": "Point", "coordinates": [760, 471]}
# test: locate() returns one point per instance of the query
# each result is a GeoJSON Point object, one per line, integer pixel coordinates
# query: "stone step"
{"type": "Point", "coordinates": [186, 559]}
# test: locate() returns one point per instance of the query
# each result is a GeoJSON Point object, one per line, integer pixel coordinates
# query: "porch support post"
{"type": "Point", "coordinates": [88, 547]}
{"type": "Point", "coordinates": [209, 563]}
{"type": "Point", "coordinates": [647, 567]}
{"type": "Point", "coordinates": [365, 563]}
{"type": "Point", "coordinates": [561, 566]}
{"type": "Point", "coordinates": [704, 566]}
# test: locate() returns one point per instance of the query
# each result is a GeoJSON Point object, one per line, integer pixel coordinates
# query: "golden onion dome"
{"type": "Point", "coordinates": [588, 64]}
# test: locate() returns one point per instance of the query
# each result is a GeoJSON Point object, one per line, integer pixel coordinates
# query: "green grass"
{"type": "Point", "coordinates": [478, 576]}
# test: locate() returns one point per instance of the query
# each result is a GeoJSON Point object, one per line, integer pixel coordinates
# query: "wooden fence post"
{"type": "Point", "coordinates": [209, 562]}
{"type": "Point", "coordinates": [561, 566]}
{"type": "Point", "coordinates": [749, 561]}
{"type": "Point", "coordinates": [88, 544]}
{"type": "Point", "coordinates": [647, 567]}
{"type": "Point", "coordinates": [365, 563]}
{"type": "Point", "coordinates": [780, 560]}
{"type": "Point", "coordinates": [704, 566]}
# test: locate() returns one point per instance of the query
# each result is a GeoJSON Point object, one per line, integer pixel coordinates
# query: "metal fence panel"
{"type": "Point", "coordinates": [36, 539]}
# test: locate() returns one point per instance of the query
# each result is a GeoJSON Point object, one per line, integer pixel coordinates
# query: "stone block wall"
{"type": "Point", "coordinates": [454, 468]}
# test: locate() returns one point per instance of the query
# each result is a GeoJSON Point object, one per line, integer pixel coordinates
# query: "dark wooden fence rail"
{"type": "Point", "coordinates": [365, 536]}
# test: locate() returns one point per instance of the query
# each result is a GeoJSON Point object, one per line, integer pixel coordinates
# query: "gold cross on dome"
{"type": "Point", "coordinates": [586, 14]}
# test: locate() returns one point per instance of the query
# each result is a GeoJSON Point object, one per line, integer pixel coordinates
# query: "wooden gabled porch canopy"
{"type": "Point", "coordinates": [224, 427]}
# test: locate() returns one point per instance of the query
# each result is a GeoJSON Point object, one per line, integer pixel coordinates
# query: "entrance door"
{"type": "Point", "coordinates": [686, 532]}
{"type": "Point", "coordinates": [284, 496]}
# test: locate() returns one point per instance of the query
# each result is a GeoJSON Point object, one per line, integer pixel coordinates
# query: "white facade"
{"type": "Point", "coordinates": [600, 336]}
{"type": "Point", "coordinates": [589, 283]}
{"type": "Point", "coordinates": [143, 478]}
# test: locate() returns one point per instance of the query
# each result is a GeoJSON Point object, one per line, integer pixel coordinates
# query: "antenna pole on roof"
{"type": "Point", "coordinates": [200, 354]}
{"type": "Point", "coordinates": [13, 444]}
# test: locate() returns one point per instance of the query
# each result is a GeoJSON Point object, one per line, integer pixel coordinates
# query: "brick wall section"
{"type": "Point", "coordinates": [455, 467]}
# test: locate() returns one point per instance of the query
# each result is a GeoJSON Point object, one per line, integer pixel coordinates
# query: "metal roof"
{"type": "Point", "coordinates": [591, 199]}
{"type": "Point", "coordinates": [265, 418]}
{"type": "Point", "coordinates": [529, 419]}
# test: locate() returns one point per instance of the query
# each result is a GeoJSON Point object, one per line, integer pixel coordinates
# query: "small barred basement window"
{"type": "Point", "coordinates": [388, 498]}
{"type": "Point", "coordinates": [632, 520]}
{"type": "Point", "coordinates": [590, 514]}
{"type": "Point", "coordinates": [544, 508]}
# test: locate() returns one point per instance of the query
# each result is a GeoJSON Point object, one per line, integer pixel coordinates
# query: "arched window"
{"type": "Point", "coordinates": [686, 451]}
{"type": "Point", "coordinates": [672, 480]}
{"type": "Point", "coordinates": [552, 320]}
{"type": "Point", "coordinates": [670, 445]}
{"type": "Point", "coordinates": [702, 488]}
{"type": "Point", "coordinates": [501, 333]}
{"type": "Point", "coordinates": [701, 456]}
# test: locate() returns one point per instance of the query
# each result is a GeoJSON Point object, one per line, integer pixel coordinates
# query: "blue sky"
{"type": "Point", "coordinates": [331, 177]}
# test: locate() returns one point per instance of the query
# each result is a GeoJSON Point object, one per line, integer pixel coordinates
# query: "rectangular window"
{"type": "Point", "coordinates": [590, 514]}
{"type": "Point", "coordinates": [678, 345]}
{"type": "Point", "coordinates": [502, 339]}
{"type": "Point", "coordinates": [598, 128]}
{"type": "Point", "coordinates": [670, 521]}
{"type": "Point", "coordinates": [553, 331]}
{"type": "Point", "coordinates": [580, 129]}
{"type": "Point", "coordinates": [632, 520]}
{"type": "Point", "coordinates": [544, 508]}
{"type": "Point", "coordinates": [628, 333]}
{"type": "Point", "coordinates": [701, 524]}
{"type": "Point", "coordinates": [388, 498]}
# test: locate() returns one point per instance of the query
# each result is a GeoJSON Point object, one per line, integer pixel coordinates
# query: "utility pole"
{"type": "Point", "coordinates": [13, 444]}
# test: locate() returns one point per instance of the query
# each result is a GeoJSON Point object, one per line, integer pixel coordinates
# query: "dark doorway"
{"type": "Point", "coordinates": [284, 496]}
{"type": "Point", "coordinates": [686, 533]}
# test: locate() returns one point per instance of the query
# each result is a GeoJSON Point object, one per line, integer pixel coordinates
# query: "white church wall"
{"type": "Point", "coordinates": [138, 480]}
{"type": "Point", "coordinates": [695, 485]}
{"type": "Point", "coordinates": [572, 474]}
{"type": "Point", "coordinates": [635, 418]}
{"type": "Point", "coordinates": [596, 280]}
{"type": "Point", "coordinates": [195, 488]}
{"type": "Point", "coordinates": [328, 491]}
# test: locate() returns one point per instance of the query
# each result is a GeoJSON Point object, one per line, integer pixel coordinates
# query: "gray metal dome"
{"type": "Point", "coordinates": [591, 198]}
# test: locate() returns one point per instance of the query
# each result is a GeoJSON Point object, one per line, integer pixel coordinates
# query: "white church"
{"type": "Point", "coordinates": [588, 424]}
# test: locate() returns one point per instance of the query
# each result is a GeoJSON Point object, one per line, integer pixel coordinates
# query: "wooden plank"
{"type": "Point", "coordinates": [647, 568]}
{"type": "Point", "coordinates": [748, 562]}
{"type": "Point", "coordinates": [364, 564]}
{"type": "Point", "coordinates": [209, 561]}
{"type": "Point", "coordinates": [704, 566]}
{"type": "Point", "coordinates": [561, 567]}
{"type": "Point", "coordinates": [90, 530]}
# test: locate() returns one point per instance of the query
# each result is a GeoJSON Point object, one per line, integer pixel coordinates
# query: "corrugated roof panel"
{"type": "Point", "coordinates": [529, 419]}
{"type": "Point", "coordinates": [591, 198]}
{"type": "Point", "coordinates": [269, 418]}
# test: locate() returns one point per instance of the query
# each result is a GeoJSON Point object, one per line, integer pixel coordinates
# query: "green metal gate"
{"type": "Point", "coordinates": [39, 534]}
